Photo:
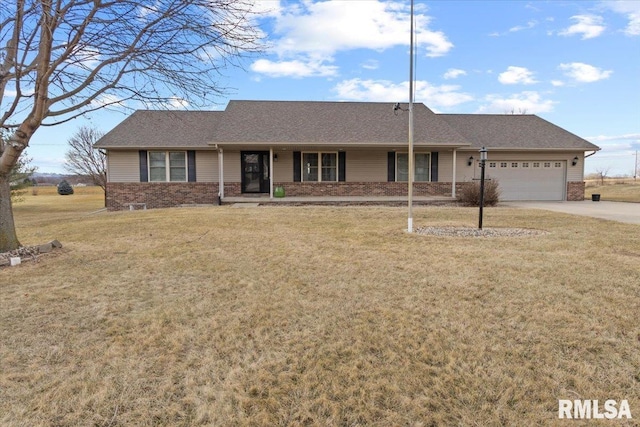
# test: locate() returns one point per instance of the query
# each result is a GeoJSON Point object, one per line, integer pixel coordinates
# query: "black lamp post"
{"type": "Point", "coordinates": [483, 159]}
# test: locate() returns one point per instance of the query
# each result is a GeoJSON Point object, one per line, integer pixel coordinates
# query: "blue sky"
{"type": "Point", "coordinates": [574, 63]}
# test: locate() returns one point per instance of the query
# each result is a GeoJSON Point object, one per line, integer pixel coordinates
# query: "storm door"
{"type": "Point", "coordinates": [255, 171]}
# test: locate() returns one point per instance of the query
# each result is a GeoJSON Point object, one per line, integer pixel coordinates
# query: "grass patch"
{"type": "Point", "coordinates": [617, 190]}
{"type": "Point", "coordinates": [314, 316]}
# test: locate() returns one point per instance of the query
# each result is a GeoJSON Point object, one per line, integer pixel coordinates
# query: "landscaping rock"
{"type": "Point", "coordinates": [475, 232]}
{"type": "Point", "coordinates": [43, 249]}
{"type": "Point", "coordinates": [26, 253]}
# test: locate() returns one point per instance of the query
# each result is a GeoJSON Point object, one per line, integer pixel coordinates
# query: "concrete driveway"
{"type": "Point", "coordinates": [614, 211]}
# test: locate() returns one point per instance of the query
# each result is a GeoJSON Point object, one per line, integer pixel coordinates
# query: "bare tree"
{"type": "Point", "coordinates": [60, 59]}
{"type": "Point", "coordinates": [512, 111]}
{"type": "Point", "coordinates": [83, 159]}
{"type": "Point", "coordinates": [20, 177]}
{"type": "Point", "coordinates": [602, 173]}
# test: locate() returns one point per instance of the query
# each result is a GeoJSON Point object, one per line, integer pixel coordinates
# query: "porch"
{"type": "Point", "coordinates": [338, 200]}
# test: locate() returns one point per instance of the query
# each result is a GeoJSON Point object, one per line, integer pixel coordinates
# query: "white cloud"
{"type": "Point", "coordinates": [107, 100]}
{"type": "Point", "coordinates": [584, 73]}
{"type": "Point", "coordinates": [633, 137]}
{"type": "Point", "coordinates": [371, 64]}
{"type": "Point", "coordinates": [266, 8]}
{"type": "Point", "coordinates": [295, 68]}
{"type": "Point", "coordinates": [324, 28]}
{"type": "Point", "coordinates": [589, 26]}
{"type": "Point", "coordinates": [312, 32]}
{"type": "Point", "coordinates": [557, 83]}
{"type": "Point", "coordinates": [177, 103]}
{"type": "Point", "coordinates": [386, 91]}
{"type": "Point", "coordinates": [530, 24]}
{"type": "Point", "coordinates": [629, 8]}
{"type": "Point", "coordinates": [516, 75]}
{"type": "Point", "coordinates": [454, 73]}
{"type": "Point", "coordinates": [525, 102]}
{"type": "Point", "coordinates": [89, 58]}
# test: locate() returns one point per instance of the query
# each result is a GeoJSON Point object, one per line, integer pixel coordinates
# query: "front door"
{"type": "Point", "coordinates": [255, 171]}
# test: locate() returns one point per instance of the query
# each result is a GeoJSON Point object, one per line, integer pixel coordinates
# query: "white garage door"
{"type": "Point", "coordinates": [529, 180]}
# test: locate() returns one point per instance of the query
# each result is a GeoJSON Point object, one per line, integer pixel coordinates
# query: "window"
{"type": "Point", "coordinates": [536, 164]}
{"type": "Point", "coordinates": [525, 164]}
{"type": "Point", "coordinates": [167, 166]}
{"type": "Point", "coordinates": [492, 164]}
{"type": "Point", "coordinates": [421, 167]}
{"type": "Point", "coordinates": [557, 165]}
{"type": "Point", "coordinates": [547, 164]}
{"type": "Point", "coordinates": [503, 164]}
{"type": "Point", "coordinates": [514, 164]}
{"type": "Point", "coordinates": [329, 166]}
{"type": "Point", "coordinates": [319, 166]}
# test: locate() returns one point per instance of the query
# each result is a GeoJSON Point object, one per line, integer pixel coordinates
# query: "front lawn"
{"type": "Point", "coordinates": [314, 316]}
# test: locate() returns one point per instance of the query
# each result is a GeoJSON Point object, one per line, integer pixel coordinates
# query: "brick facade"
{"type": "Point", "coordinates": [171, 194]}
{"type": "Point", "coordinates": [160, 194]}
{"type": "Point", "coordinates": [337, 189]}
{"type": "Point", "coordinates": [575, 191]}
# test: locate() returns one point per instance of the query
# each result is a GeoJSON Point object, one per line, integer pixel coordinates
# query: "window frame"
{"type": "Point", "coordinates": [167, 165]}
{"type": "Point", "coordinates": [319, 166]}
{"type": "Point", "coordinates": [397, 167]}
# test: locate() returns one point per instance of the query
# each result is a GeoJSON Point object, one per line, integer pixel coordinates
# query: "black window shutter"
{"type": "Point", "coordinates": [191, 166]}
{"type": "Point", "coordinates": [391, 166]}
{"type": "Point", "coordinates": [297, 166]}
{"type": "Point", "coordinates": [434, 167]}
{"type": "Point", "coordinates": [144, 171]}
{"type": "Point", "coordinates": [342, 165]}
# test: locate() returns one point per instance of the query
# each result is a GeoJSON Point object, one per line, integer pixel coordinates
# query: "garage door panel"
{"type": "Point", "coordinates": [529, 180]}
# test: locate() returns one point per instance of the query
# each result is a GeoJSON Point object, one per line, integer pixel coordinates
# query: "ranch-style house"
{"type": "Point", "coordinates": [273, 149]}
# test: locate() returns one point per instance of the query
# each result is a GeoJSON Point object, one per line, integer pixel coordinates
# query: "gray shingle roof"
{"type": "Point", "coordinates": [269, 122]}
{"type": "Point", "coordinates": [514, 131]}
{"type": "Point", "coordinates": [163, 129]}
{"type": "Point", "coordinates": [337, 123]}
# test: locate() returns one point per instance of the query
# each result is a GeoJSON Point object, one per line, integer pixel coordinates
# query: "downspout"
{"type": "Point", "coordinates": [220, 174]}
{"type": "Point", "coordinates": [453, 181]}
{"type": "Point", "coordinates": [271, 173]}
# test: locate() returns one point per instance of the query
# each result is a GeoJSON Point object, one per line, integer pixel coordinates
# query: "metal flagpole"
{"type": "Point", "coordinates": [410, 155]}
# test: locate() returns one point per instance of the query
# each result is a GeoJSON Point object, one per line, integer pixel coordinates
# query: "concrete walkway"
{"type": "Point", "coordinates": [614, 211]}
{"type": "Point", "coordinates": [337, 200]}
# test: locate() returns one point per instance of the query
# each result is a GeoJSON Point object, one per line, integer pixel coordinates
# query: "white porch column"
{"type": "Point", "coordinates": [453, 181]}
{"type": "Point", "coordinates": [271, 172]}
{"type": "Point", "coordinates": [221, 174]}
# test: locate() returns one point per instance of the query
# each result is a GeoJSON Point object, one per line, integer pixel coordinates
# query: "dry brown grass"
{"type": "Point", "coordinates": [614, 189]}
{"type": "Point", "coordinates": [314, 316]}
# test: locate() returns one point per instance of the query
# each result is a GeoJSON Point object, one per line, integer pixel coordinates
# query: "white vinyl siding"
{"type": "Point", "coordinates": [123, 166]}
{"type": "Point", "coordinates": [207, 166]}
{"type": "Point", "coordinates": [366, 166]}
{"type": "Point", "coordinates": [232, 166]}
{"type": "Point", "coordinates": [283, 168]}
{"type": "Point", "coordinates": [445, 168]}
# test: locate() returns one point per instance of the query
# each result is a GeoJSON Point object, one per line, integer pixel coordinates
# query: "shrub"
{"type": "Point", "coordinates": [470, 193]}
{"type": "Point", "coordinates": [64, 188]}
